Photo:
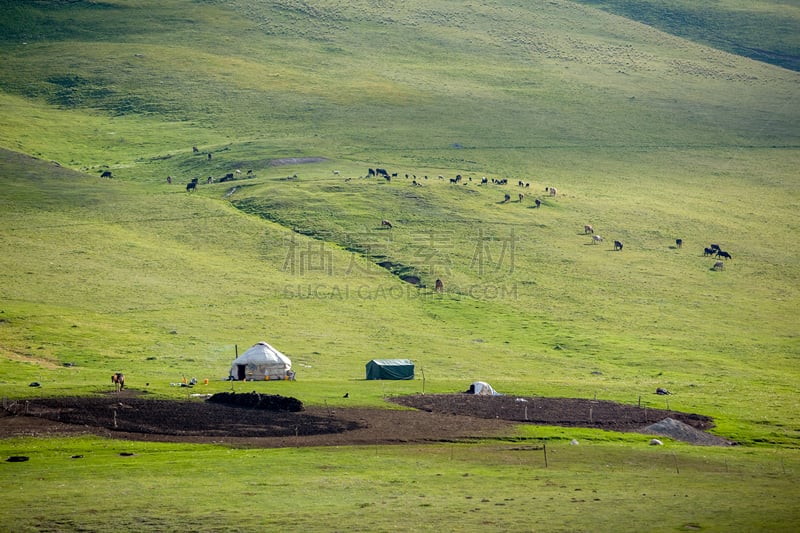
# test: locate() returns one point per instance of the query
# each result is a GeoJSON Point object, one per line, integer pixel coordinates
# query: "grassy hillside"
{"type": "Point", "coordinates": [734, 26]}
{"type": "Point", "coordinates": [648, 136]}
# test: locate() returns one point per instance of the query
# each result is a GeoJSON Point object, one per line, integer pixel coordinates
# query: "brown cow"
{"type": "Point", "coordinates": [118, 379]}
{"type": "Point", "coordinates": [439, 285]}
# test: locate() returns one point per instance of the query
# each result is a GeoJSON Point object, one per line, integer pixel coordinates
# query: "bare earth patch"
{"type": "Point", "coordinates": [434, 418]}
{"type": "Point", "coordinates": [296, 161]}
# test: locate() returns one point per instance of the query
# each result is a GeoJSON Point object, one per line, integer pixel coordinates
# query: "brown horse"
{"type": "Point", "coordinates": [118, 379]}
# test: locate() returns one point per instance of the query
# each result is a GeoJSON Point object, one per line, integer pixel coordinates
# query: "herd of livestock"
{"type": "Point", "coordinates": [712, 250]}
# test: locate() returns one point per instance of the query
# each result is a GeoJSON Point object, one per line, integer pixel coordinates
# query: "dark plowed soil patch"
{"type": "Point", "coordinates": [571, 412]}
{"type": "Point", "coordinates": [434, 418]}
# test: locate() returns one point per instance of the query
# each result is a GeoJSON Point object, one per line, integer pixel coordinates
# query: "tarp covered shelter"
{"type": "Point", "coordinates": [390, 369]}
{"type": "Point", "coordinates": [260, 362]}
{"type": "Point", "coordinates": [482, 388]}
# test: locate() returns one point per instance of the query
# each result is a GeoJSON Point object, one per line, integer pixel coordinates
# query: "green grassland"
{"type": "Point", "coordinates": [648, 136]}
{"type": "Point", "coordinates": [731, 25]}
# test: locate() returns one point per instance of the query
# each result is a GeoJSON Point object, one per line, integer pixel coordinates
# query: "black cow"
{"type": "Point", "coordinates": [191, 186]}
{"type": "Point", "coordinates": [709, 251]}
{"type": "Point", "coordinates": [723, 254]}
{"type": "Point", "coordinates": [538, 202]}
{"type": "Point", "coordinates": [678, 242]}
{"type": "Point", "coordinates": [715, 247]}
{"type": "Point", "coordinates": [617, 245]}
{"type": "Point", "coordinates": [106, 174]}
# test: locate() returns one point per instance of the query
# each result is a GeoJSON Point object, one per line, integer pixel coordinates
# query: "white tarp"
{"type": "Point", "coordinates": [482, 388]}
{"type": "Point", "coordinates": [260, 362]}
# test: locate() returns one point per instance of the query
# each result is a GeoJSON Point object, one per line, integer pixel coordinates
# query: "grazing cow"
{"type": "Point", "coordinates": [715, 247]}
{"type": "Point", "coordinates": [209, 156]}
{"type": "Point", "coordinates": [118, 379]}
{"type": "Point", "coordinates": [617, 246]}
{"type": "Point", "coordinates": [191, 186]}
{"type": "Point", "coordinates": [382, 172]}
{"type": "Point", "coordinates": [723, 254]}
{"type": "Point", "coordinates": [169, 179]}
{"type": "Point", "coordinates": [228, 176]}
{"type": "Point", "coordinates": [662, 392]}
{"type": "Point", "coordinates": [106, 174]}
{"type": "Point", "coordinates": [439, 285]}
{"type": "Point", "coordinates": [709, 251]}
{"type": "Point", "coordinates": [538, 202]}
{"type": "Point", "coordinates": [210, 179]}
{"type": "Point", "coordinates": [521, 197]}
{"type": "Point", "coordinates": [386, 223]}
{"type": "Point", "coordinates": [679, 242]}
{"type": "Point", "coordinates": [553, 191]}
{"type": "Point", "coordinates": [588, 229]}
{"type": "Point", "coordinates": [194, 149]}
{"type": "Point", "coordinates": [719, 265]}
{"type": "Point", "coordinates": [484, 180]}
{"type": "Point", "coordinates": [370, 172]}
{"type": "Point", "coordinates": [596, 239]}
{"type": "Point", "coordinates": [507, 198]}
{"type": "Point", "coordinates": [335, 172]}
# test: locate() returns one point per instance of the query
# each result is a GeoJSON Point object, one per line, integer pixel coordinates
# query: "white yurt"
{"type": "Point", "coordinates": [261, 362]}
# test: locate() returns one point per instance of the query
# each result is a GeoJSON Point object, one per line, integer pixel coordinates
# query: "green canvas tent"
{"type": "Point", "coordinates": [390, 369]}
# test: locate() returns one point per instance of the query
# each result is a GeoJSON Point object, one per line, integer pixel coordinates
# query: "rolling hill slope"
{"type": "Point", "coordinates": [647, 136]}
